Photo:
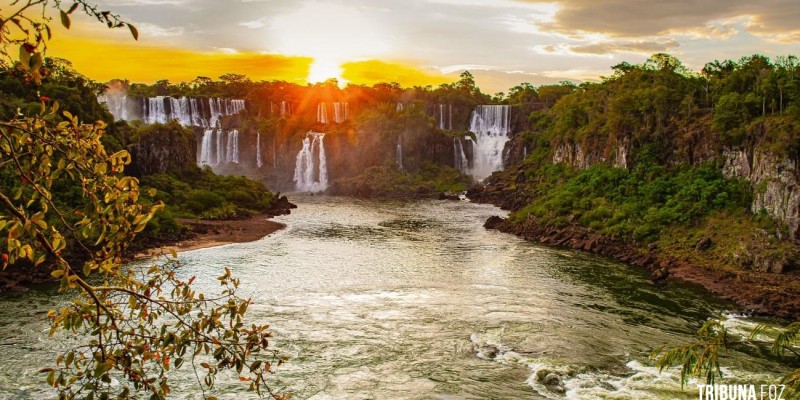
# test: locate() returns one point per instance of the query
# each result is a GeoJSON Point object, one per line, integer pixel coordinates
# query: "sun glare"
{"type": "Point", "coordinates": [332, 35]}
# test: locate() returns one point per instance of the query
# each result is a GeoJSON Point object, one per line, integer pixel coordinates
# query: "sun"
{"type": "Point", "coordinates": [331, 34]}
{"type": "Point", "coordinates": [322, 69]}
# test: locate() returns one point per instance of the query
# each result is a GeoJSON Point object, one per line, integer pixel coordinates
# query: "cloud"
{"type": "Point", "coordinates": [645, 47]}
{"type": "Point", "coordinates": [634, 19]}
{"type": "Point", "coordinates": [152, 30]}
{"type": "Point", "coordinates": [259, 23]}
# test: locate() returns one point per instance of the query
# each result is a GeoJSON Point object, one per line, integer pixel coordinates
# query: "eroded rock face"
{"type": "Point", "coordinates": [577, 156]}
{"type": "Point", "coordinates": [776, 187]}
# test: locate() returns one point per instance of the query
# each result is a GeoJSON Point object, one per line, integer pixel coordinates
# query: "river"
{"type": "Point", "coordinates": [394, 300]}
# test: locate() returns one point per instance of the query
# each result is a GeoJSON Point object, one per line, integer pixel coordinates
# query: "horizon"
{"type": "Point", "coordinates": [503, 43]}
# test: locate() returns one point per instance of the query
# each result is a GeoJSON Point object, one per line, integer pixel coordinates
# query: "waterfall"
{"type": "Point", "coordinates": [459, 158]}
{"type": "Point", "coordinates": [286, 109]}
{"type": "Point", "coordinates": [117, 104]}
{"type": "Point", "coordinates": [444, 116]}
{"type": "Point", "coordinates": [220, 155]}
{"type": "Point", "coordinates": [189, 111]}
{"type": "Point", "coordinates": [322, 113]}
{"type": "Point", "coordinates": [205, 147]}
{"type": "Point", "coordinates": [258, 150]}
{"type": "Point", "coordinates": [341, 112]}
{"type": "Point", "coordinates": [274, 153]}
{"type": "Point", "coordinates": [400, 152]}
{"type": "Point", "coordinates": [399, 107]}
{"type": "Point", "coordinates": [305, 167]}
{"type": "Point", "coordinates": [232, 147]}
{"type": "Point", "coordinates": [491, 125]}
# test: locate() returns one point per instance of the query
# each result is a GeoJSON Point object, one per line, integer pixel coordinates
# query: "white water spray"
{"type": "Point", "coordinates": [491, 125]}
{"type": "Point", "coordinates": [259, 163]}
{"type": "Point", "coordinates": [308, 175]}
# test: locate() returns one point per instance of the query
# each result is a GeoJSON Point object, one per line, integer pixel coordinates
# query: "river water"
{"type": "Point", "coordinates": [395, 300]}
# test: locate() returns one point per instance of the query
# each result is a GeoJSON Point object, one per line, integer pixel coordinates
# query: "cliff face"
{"type": "Point", "coordinates": [168, 148]}
{"type": "Point", "coordinates": [776, 188]}
{"type": "Point", "coordinates": [775, 180]}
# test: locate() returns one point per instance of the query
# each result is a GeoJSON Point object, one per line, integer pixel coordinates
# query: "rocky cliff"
{"type": "Point", "coordinates": [776, 188]}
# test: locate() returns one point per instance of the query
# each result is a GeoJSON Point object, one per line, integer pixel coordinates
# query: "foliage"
{"type": "Point", "coordinates": [61, 190]}
{"type": "Point", "coordinates": [203, 194]}
{"type": "Point", "coordinates": [387, 181]}
{"type": "Point", "coordinates": [701, 358]}
{"type": "Point", "coordinates": [637, 204]}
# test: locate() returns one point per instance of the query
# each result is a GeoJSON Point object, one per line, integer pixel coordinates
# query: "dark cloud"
{"type": "Point", "coordinates": [646, 47]}
{"type": "Point", "coordinates": [637, 18]}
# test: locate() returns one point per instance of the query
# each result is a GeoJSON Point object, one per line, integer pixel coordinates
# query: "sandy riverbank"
{"type": "Point", "coordinates": [216, 233]}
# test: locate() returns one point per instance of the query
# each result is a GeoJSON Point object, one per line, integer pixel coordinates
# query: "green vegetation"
{"type": "Point", "coordinates": [68, 210]}
{"type": "Point", "coordinates": [204, 194]}
{"type": "Point", "coordinates": [389, 182]}
{"type": "Point", "coordinates": [638, 204]}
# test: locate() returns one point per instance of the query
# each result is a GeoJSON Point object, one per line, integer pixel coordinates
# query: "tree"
{"type": "Point", "coordinates": [140, 322]}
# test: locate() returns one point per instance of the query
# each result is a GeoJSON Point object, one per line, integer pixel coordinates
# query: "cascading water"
{"type": "Point", "coordinates": [341, 112]}
{"type": "Point", "coordinates": [206, 147]}
{"type": "Point", "coordinates": [232, 147]}
{"type": "Point", "coordinates": [399, 107]}
{"type": "Point", "coordinates": [274, 154]}
{"type": "Point", "coordinates": [188, 111]}
{"type": "Point", "coordinates": [308, 175]}
{"type": "Point", "coordinates": [322, 113]}
{"type": "Point", "coordinates": [400, 152]}
{"type": "Point", "coordinates": [491, 125]}
{"type": "Point", "coordinates": [258, 150]}
{"type": "Point", "coordinates": [117, 104]}
{"type": "Point", "coordinates": [218, 152]}
{"type": "Point", "coordinates": [460, 159]}
{"type": "Point", "coordinates": [444, 116]}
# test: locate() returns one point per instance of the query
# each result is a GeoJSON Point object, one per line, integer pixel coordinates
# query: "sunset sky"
{"type": "Point", "coordinates": [502, 42]}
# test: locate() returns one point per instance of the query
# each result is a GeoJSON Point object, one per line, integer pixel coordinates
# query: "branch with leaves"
{"type": "Point", "coordinates": [140, 322]}
{"type": "Point", "coordinates": [67, 208]}
{"type": "Point", "coordinates": [25, 24]}
{"type": "Point", "coordinates": [700, 359]}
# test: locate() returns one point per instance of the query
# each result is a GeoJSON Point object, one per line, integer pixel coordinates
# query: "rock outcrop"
{"type": "Point", "coordinates": [776, 187]}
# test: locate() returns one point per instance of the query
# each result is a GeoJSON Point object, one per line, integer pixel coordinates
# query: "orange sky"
{"type": "Point", "coordinates": [422, 42]}
{"type": "Point", "coordinates": [105, 59]}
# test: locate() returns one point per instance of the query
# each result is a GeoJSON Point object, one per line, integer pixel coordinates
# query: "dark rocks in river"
{"type": "Point", "coordinates": [281, 206]}
{"type": "Point", "coordinates": [659, 276]}
{"type": "Point", "coordinates": [448, 196]}
{"type": "Point", "coordinates": [551, 380]}
{"type": "Point", "coordinates": [494, 222]}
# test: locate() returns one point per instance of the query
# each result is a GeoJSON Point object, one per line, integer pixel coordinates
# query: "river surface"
{"type": "Point", "coordinates": [396, 300]}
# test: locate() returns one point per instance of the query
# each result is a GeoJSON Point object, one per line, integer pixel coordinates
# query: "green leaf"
{"type": "Point", "coordinates": [36, 62]}
{"type": "Point", "coordinates": [24, 58]}
{"type": "Point", "coordinates": [134, 32]}
{"type": "Point", "coordinates": [65, 19]}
